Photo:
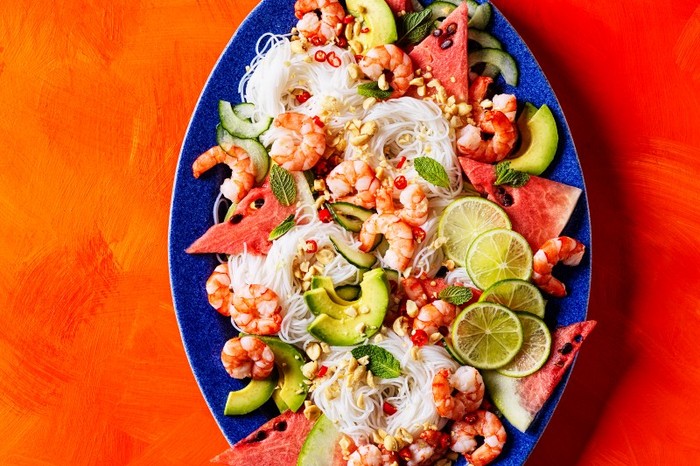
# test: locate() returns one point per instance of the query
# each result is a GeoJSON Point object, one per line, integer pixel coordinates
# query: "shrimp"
{"type": "Point", "coordinates": [391, 62]}
{"type": "Point", "coordinates": [470, 392]}
{"type": "Point", "coordinates": [318, 19]}
{"type": "Point", "coordinates": [432, 316]}
{"type": "Point", "coordinates": [302, 143]}
{"type": "Point", "coordinates": [414, 291]}
{"type": "Point", "coordinates": [478, 424]}
{"type": "Point", "coordinates": [430, 446]}
{"type": "Point", "coordinates": [398, 234]}
{"type": "Point", "coordinates": [242, 176]}
{"type": "Point", "coordinates": [414, 204]}
{"type": "Point", "coordinates": [219, 289]}
{"type": "Point", "coordinates": [471, 144]}
{"type": "Point", "coordinates": [247, 357]}
{"type": "Point", "coordinates": [477, 92]}
{"type": "Point", "coordinates": [255, 309]}
{"type": "Point", "coordinates": [372, 455]}
{"type": "Point", "coordinates": [506, 104]}
{"type": "Point", "coordinates": [563, 249]}
{"type": "Point", "coordinates": [353, 181]}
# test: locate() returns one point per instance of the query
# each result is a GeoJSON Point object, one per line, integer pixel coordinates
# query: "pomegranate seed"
{"type": "Point", "coordinates": [322, 371]}
{"type": "Point", "coordinates": [419, 337]}
{"type": "Point", "coordinates": [324, 215]}
{"type": "Point", "coordinates": [303, 97]}
{"type": "Point", "coordinates": [400, 182]}
{"type": "Point", "coordinates": [311, 246]}
{"type": "Point", "coordinates": [418, 234]}
{"type": "Point", "coordinates": [333, 60]}
{"type": "Point", "coordinates": [318, 121]}
{"type": "Point", "coordinates": [389, 408]}
{"type": "Point", "coordinates": [320, 56]}
{"type": "Point", "coordinates": [348, 19]}
{"type": "Point", "coordinates": [401, 163]}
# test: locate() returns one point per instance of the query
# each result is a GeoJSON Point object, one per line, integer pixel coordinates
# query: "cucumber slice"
{"type": "Point", "coordinates": [392, 275]}
{"type": "Point", "coordinates": [239, 127]}
{"type": "Point", "coordinates": [357, 258]}
{"type": "Point", "coordinates": [481, 17]}
{"type": "Point", "coordinates": [349, 216]}
{"type": "Point", "coordinates": [244, 111]}
{"type": "Point", "coordinates": [471, 7]}
{"type": "Point", "coordinates": [484, 39]}
{"type": "Point", "coordinates": [440, 10]}
{"type": "Point", "coordinates": [251, 397]}
{"type": "Point", "coordinates": [348, 292]}
{"type": "Point", "coordinates": [498, 58]}
{"type": "Point", "coordinates": [256, 151]}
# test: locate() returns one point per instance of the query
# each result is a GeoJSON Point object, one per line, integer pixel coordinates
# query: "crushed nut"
{"type": "Point", "coordinates": [359, 139]}
{"type": "Point", "coordinates": [364, 360]}
{"type": "Point", "coordinates": [354, 70]}
{"type": "Point", "coordinates": [309, 369]}
{"type": "Point", "coordinates": [411, 308]}
{"type": "Point", "coordinates": [390, 443]}
{"type": "Point", "coordinates": [313, 351]}
{"type": "Point", "coordinates": [350, 311]}
{"type": "Point", "coordinates": [415, 353]}
{"type": "Point", "coordinates": [369, 128]}
{"type": "Point", "coordinates": [417, 82]}
{"type": "Point", "coordinates": [400, 326]}
{"type": "Point", "coordinates": [382, 83]}
{"type": "Point", "coordinates": [435, 337]}
{"type": "Point", "coordinates": [312, 412]}
{"type": "Point", "coordinates": [370, 380]}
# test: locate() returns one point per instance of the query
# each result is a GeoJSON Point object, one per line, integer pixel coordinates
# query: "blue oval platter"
{"type": "Point", "coordinates": [204, 331]}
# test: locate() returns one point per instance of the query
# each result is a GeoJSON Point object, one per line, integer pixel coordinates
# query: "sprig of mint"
{"type": "Point", "coordinates": [282, 228]}
{"type": "Point", "coordinates": [371, 89]}
{"type": "Point", "coordinates": [283, 186]}
{"type": "Point", "coordinates": [431, 171]}
{"type": "Point", "coordinates": [414, 27]}
{"type": "Point", "coordinates": [382, 363]}
{"type": "Point", "coordinates": [508, 176]}
{"type": "Point", "coordinates": [457, 295]}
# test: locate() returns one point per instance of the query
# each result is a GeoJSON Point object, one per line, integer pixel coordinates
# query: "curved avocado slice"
{"type": "Point", "coordinates": [539, 140]}
{"type": "Point", "coordinates": [289, 360]}
{"type": "Point", "coordinates": [321, 443]}
{"type": "Point", "coordinates": [377, 19]}
{"type": "Point", "coordinates": [339, 325]}
{"type": "Point", "coordinates": [250, 397]}
{"type": "Point", "coordinates": [327, 284]}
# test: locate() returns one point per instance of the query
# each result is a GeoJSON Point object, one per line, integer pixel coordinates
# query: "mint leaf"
{"type": "Point", "coordinates": [508, 176]}
{"type": "Point", "coordinates": [382, 363]}
{"type": "Point", "coordinates": [371, 89]}
{"type": "Point", "coordinates": [456, 295]}
{"type": "Point", "coordinates": [431, 171]}
{"type": "Point", "coordinates": [414, 27]}
{"type": "Point", "coordinates": [282, 228]}
{"type": "Point", "coordinates": [283, 186]}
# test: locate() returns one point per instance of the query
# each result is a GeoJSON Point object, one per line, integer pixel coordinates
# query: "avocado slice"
{"type": "Point", "coordinates": [539, 140]}
{"type": "Point", "coordinates": [292, 387]}
{"type": "Point", "coordinates": [327, 284]}
{"type": "Point", "coordinates": [335, 323]}
{"type": "Point", "coordinates": [321, 444]}
{"type": "Point", "coordinates": [377, 19]}
{"type": "Point", "coordinates": [250, 397]}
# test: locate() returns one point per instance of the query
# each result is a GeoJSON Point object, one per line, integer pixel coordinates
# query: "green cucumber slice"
{"type": "Point", "coordinates": [348, 292]}
{"type": "Point", "coordinates": [440, 10]}
{"type": "Point", "coordinates": [498, 58]}
{"type": "Point", "coordinates": [392, 275]}
{"type": "Point", "coordinates": [349, 216]}
{"type": "Point", "coordinates": [256, 151]}
{"type": "Point", "coordinates": [250, 397]}
{"type": "Point", "coordinates": [484, 39]}
{"type": "Point", "coordinates": [357, 258]}
{"type": "Point", "coordinates": [244, 111]}
{"type": "Point", "coordinates": [481, 17]}
{"type": "Point", "coordinates": [239, 127]}
{"type": "Point", "coordinates": [471, 7]}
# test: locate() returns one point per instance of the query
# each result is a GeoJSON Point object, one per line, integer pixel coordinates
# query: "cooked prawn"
{"type": "Point", "coordinates": [478, 89]}
{"type": "Point", "coordinates": [392, 62]}
{"type": "Point", "coordinates": [301, 144]}
{"type": "Point", "coordinates": [353, 181]}
{"type": "Point", "coordinates": [414, 204]}
{"type": "Point", "coordinates": [414, 291]}
{"type": "Point", "coordinates": [469, 394]}
{"type": "Point", "coordinates": [318, 19]}
{"type": "Point", "coordinates": [247, 357]}
{"type": "Point", "coordinates": [506, 104]}
{"type": "Point", "coordinates": [471, 144]}
{"type": "Point", "coordinates": [434, 315]}
{"type": "Point", "coordinates": [398, 234]}
{"type": "Point", "coordinates": [242, 176]}
{"type": "Point", "coordinates": [219, 289]}
{"type": "Point", "coordinates": [482, 424]}
{"type": "Point", "coordinates": [427, 449]}
{"type": "Point", "coordinates": [563, 249]}
{"type": "Point", "coordinates": [256, 309]}
{"type": "Point", "coordinates": [372, 455]}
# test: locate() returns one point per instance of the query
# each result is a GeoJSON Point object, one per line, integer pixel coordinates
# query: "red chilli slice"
{"type": "Point", "coordinates": [389, 409]}
{"type": "Point", "coordinates": [333, 60]}
{"type": "Point", "coordinates": [320, 56]}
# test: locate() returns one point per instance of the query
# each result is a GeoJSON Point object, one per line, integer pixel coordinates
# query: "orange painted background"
{"type": "Point", "coordinates": [95, 96]}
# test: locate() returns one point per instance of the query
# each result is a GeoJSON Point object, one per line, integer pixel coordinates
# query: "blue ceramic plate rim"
{"type": "Point", "coordinates": [204, 332]}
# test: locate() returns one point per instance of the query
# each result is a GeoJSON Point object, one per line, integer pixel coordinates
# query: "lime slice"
{"type": "Point", "coordinates": [465, 219]}
{"type": "Point", "coordinates": [487, 335]}
{"type": "Point", "coordinates": [516, 295]}
{"type": "Point", "coordinates": [537, 343]}
{"type": "Point", "coordinates": [497, 255]}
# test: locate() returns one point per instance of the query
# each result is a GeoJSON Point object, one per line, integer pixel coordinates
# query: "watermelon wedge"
{"type": "Point", "coordinates": [276, 443]}
{"type": "Point", "coordinates": [248, 226]}
{"type": "Point", "coordinates": [539, 210]}
{"type": "Point", "coordinates": [399, 7]}
{"type": "Point", "coordinates": [521, 399]}
{"type": "Point", "coordinates": [446, 54]}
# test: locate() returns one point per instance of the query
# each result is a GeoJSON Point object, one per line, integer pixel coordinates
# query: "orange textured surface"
{"type": "Point", "coordinates": [96, 96]}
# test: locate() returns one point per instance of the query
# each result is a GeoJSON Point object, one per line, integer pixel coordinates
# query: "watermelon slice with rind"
{"type": "Point", "coordinates": [520, 399]}
{"type": "Point", "coordinates": [399, 7]}
{"type": "Point", "coordinates": [447, 60]}
{"type": "Point", "coordinates": [539, 210]}
{"type": "Point", "coordinates": [276, 443]}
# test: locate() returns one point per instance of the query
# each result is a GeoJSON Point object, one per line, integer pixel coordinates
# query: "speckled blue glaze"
{"type": "Point", "coordinates": [204, 331]}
